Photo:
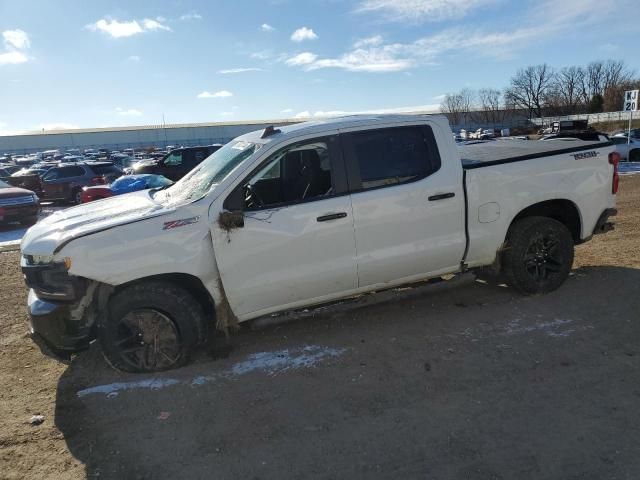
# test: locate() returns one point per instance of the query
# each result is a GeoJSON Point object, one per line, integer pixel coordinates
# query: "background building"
{"type": "Point", "coordinates": [140, 137]}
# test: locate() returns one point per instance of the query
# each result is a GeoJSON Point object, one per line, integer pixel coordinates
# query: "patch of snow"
{"type": "Point", "coordinates": [271, 363]}
{"type": "Point", "coordinates": [553, 328]}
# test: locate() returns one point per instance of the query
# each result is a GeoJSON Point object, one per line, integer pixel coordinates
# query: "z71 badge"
{"type": "Point", "coordinates": [583, 155]}
{"type": "Point", "coordinates": [180, 223]}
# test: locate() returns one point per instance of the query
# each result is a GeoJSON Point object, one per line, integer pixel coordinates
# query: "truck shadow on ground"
{"type": "Point", "coordinates": [456, 380]}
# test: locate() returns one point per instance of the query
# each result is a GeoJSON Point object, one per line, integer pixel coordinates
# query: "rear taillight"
{"type": "Point", "coordinates": [614, 159]}
{"type": "Point", "coordinates": [98, 181]}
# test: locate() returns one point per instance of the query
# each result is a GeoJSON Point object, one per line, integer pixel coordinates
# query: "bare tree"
{"type": "Point", "coordinates": [615, 73]}
{"type": "Point", "coordinates": [458, 105]}
{"type": "Point", "coordinates": [489, 99]}
{"type": "Point", "coordinates": [593, 83]}
{"type": "Point", "coordinates": [567, 90]}
{"type": "Point", "coordinates": [530, 87]}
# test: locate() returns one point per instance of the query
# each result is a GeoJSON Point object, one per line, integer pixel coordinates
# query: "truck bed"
{"type": "Point", "coordinates": [484, 153]}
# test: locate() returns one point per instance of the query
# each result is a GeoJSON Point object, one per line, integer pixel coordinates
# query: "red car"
{"type": "Point", "coordinates": [125, 184]}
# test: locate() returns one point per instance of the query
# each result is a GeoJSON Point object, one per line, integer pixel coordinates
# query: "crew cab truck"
{"type": "Point", "coordinates": [306, 214]}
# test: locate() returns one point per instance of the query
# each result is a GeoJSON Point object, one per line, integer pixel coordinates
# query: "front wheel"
{"type": "Point", "coordinates": [150, 327]}
{"type": "Point", "coordinates": [538, 255]}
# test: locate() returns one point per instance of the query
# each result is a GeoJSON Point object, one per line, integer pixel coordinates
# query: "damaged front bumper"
{"type": "Point", "coordinates": [53, 330]}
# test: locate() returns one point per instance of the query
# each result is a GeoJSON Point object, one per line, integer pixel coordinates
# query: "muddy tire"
{"type": "Point", "coordinates": [538, 255]}
{"type": "Point", "coordinates": [150, 327]}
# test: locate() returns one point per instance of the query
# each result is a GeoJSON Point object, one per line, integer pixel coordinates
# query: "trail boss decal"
{"type": "Point", "coordinates": [180, 223]}
{"type": "Point", "coordinates": [583, 155]}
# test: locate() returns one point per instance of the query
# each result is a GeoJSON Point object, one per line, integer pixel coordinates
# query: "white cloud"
{"type": "Point", "coordinates": [262, 55]}
{"type": "Point", "coordinates": [133, 58]}
{"type": "Point", "coordinates": [11, 58]}
{"type": "Point", "coordinates": [191, 16]}
{"type": "Point", "coordinates": [239, 70]}
{"type": "Point", "coordinates": [118, 29]}
{"type": "Point", "coordinates": [15, 43]}
{"type": "Point", "coordinates": [219, 94]}
{"type": "Point", "coordinates": [131, 112]}
{"type": "Point", "coordinates": [439, 98]}
{"type": "Point", "coordinates": [17, 39]}
{"type": "Point", "coordinates": [115, 28]}
{"type": "Point", "coordinates": [287, 110]}
{"type": "Point", "coordinates": [152, 25]}
{"type": "Point", "coordinates": [430, 108]}
{"type": "Point", "coordinates": [421, 10]}
{"type": "Point", "coordinates": [303, 34]}
{"type": "Point", "coordinates": [265, 27]}
{"type": "Point", "coordinates": [369, 41]}
{"type": "Point", "coordinates": [374, 59]}
{"type": "Point", "coordinates": [304, 58]}
{"type": "Point", "coordinates": [374, 55]}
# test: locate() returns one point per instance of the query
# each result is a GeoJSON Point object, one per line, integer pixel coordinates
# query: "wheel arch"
{"type": "Point", "coordinates": [563, 210]}
{"type": "Point", "coordinates": [193, 285]}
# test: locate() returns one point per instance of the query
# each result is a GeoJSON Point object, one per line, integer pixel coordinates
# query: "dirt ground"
{"type": "Point", "coordinates": [453, 380]}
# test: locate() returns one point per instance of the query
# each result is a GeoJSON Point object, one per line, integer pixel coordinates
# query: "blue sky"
{"type": "Point", "coordinates": [79, 63]}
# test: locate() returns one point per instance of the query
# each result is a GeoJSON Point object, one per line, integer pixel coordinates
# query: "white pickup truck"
{"type": "Point", "coordinates": [306, 214]}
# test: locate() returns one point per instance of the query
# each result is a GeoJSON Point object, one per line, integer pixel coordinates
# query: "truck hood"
{"type": "Point", "coordinates": [65, 225]}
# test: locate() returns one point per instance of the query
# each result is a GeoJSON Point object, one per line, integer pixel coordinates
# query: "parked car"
{"type": "Point", "coordinates": [8, 170]}
{"type": "Point", "coordinates": [297, 216]}
{"type": "Point", "coordinates": [628, 148]}
{"type": "Point", "coordinates": [18, 205]}
{"type": "Point", "coordinates": [125, 184]}
{"type": "Point", "coordinates": [65, 182]}
{"type": "Point", "coordinates": [177, 163]}
{"type": "Point", "coordinates": [24, 172]}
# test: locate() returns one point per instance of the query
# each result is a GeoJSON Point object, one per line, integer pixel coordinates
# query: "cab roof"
{"type": "Point", "coordinates": [335, 123]}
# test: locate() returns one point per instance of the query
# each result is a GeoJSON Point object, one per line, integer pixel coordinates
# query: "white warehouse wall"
{"type": "Point", "coordinates": [131, 137]}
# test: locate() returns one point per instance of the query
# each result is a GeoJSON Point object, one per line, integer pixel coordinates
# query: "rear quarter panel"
{"type": "Point", "coordinates": [515, 186]}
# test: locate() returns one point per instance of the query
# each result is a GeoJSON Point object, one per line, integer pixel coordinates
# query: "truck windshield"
{"type": "Point", "coordinates": [209, 173]}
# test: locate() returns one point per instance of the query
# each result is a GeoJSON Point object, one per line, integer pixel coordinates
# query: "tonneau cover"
{"type": "Point", "coordinates": [484, 153]}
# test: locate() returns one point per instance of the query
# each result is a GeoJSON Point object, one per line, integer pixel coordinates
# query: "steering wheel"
{"type": "Point", "coordinates": [254, 196]}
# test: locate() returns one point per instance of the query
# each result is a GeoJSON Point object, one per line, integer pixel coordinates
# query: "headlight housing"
{"type": "Point", "coordinates": [51, 280]}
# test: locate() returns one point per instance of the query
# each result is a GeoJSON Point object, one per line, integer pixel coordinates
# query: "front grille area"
{"type": "Point", "coordinates": [10, 202]}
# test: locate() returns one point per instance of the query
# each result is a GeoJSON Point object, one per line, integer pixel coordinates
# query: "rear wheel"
{"type": "Point", "coordinates": [150, 327]}
{"type": "Point", "coordinates": [539, 255]}
{"type": "Point", "coordinates": [76, 196]}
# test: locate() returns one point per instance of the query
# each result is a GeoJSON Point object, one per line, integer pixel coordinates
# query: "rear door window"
{"type": "Point", "coordinates": [390, 156]}
{"type": "Point", "coordinates": [174, 159]}
{"type": "Point", "coordinates": [102, 169]}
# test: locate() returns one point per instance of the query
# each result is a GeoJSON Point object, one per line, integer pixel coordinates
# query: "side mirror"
{"type": "Point", "coordinates": [231, 220]}
{"type": "Point", "coordinates": [233, 216]}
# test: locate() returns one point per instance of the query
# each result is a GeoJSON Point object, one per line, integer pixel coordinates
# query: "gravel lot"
{"type": "Point", "coordinates": [452, 380]}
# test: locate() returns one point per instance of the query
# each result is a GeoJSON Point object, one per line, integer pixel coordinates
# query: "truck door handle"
{"type": "Point", "coordinates": [441, 196]}
{"type": "Point", "coordinates": [331, 216]}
